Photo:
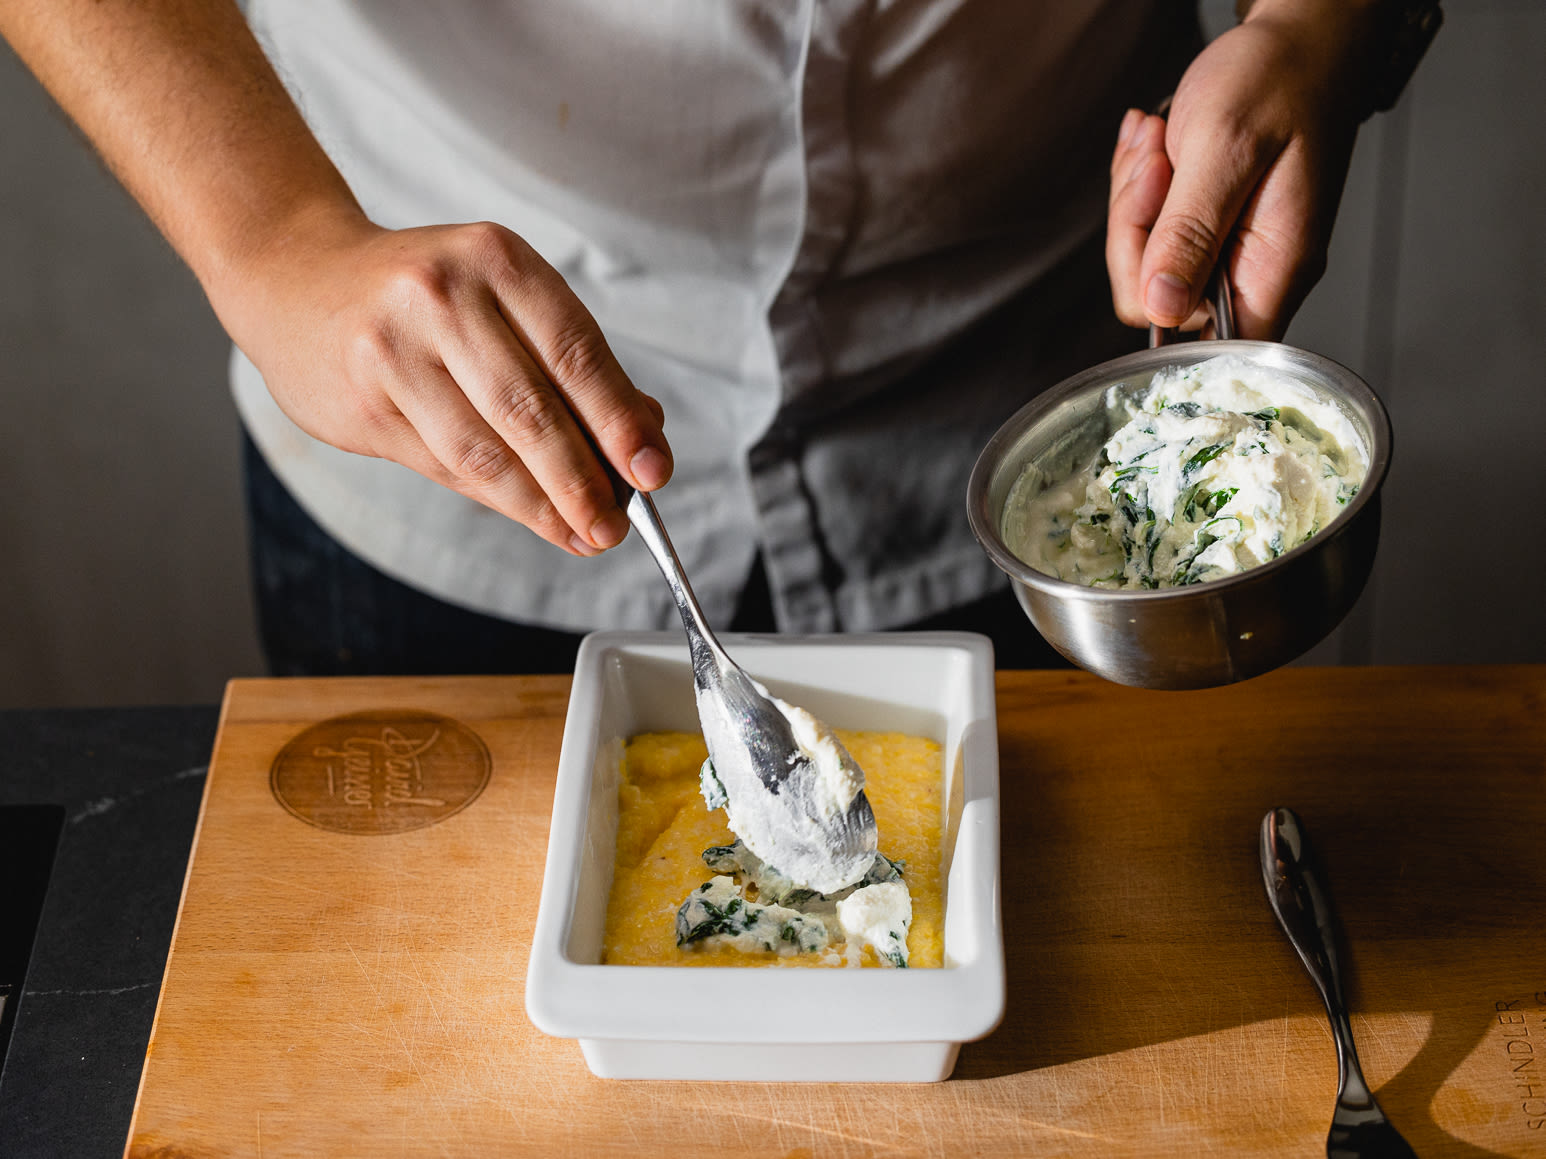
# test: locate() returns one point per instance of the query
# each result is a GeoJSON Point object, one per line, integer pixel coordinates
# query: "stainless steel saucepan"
{"type": "Point", "coordinates": [1205, 634]}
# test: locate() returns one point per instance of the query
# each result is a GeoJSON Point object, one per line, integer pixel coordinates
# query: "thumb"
{"type": "Point", "coordinates": [1209, 189]}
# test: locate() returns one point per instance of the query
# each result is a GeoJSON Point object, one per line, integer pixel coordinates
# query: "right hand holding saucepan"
{"type": "Point", "coordinates": [1253, 155]}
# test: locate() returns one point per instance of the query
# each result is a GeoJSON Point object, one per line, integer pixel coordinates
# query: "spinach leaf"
{"type": "Point", "coordinates": [1218, 498]}
{"type": "Point", "coordinates": [1127, 474]}
{"type": "Point", "coordinates": [1195, 504]}
{"type": "Point", "coordinates": [1201, 459]}
{"type": "Point", "coordinates": [713, 790]}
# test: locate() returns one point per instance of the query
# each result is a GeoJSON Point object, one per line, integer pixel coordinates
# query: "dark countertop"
{"type": "Point", "coordinates": [129, 783]}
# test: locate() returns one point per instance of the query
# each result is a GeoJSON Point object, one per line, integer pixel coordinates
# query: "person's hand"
{"type": "Point", "coordinates": [456, 351]}
{"type": "Point", "coordinates": [1254, 155]}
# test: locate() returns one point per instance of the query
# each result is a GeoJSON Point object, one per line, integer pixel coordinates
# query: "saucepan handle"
{"type": "Point", "coordinates": [1221, 306]}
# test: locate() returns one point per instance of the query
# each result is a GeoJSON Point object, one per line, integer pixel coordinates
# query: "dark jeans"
{"type": "Point", "coordinates": [323, 611]}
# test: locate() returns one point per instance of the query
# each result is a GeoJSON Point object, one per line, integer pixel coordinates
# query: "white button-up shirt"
{"type": "Point", "coordinates": [835, 238]}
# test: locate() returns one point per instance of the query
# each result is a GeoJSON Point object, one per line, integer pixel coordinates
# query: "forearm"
{"type": "Point", "coordinates": [183, 106]}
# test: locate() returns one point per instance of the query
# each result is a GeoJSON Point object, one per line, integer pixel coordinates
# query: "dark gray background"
{"type": "Point", "coordinates": [123, 578]}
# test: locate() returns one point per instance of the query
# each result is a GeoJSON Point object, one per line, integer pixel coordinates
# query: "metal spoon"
{"type": "Point", "coordinates": [775, 801]}
{"type": "Point", "coordinates": [1359, 1128]}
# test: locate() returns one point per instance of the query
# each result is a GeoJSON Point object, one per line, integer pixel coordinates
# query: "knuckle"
{"type": "Point", "coordinates": [543, 518]}
{"type": "Point", "coordinates": [576, 353]}
{"type": "Point", "coordinates": [527, 414]}
{"type": "Point", "coordinates": [487, 242]}
{"type": "Point", "coordinates": [369, 352]}
{"type": "Point", "coordinates": [1139, 200]}
{"type": "Point", "coordinates": [1118, 254]}
{"type": "Point", "coordinates": [1120, 204]}
{"type": "Point", "coordinates": [1121, 165]}
{"type": "Point", "coordinates": [428, 282]}
{"type": "Point", "coordinates": [584, 490]}
{"type": "Point", "coordinates": [1191, 238]}
{"type": "Point", "coordinates": [623, 425]}
{"type": "Point", "coordinates": [379, 421]}
{"type": "Point", "coordinates": [1286, 256]}
{"type": "Point", "coordinates": [1237, 142]}
{"type": "Point", "coordinates": [1125, 174]}
{"type": "Point", "coordinates": [481, 462]}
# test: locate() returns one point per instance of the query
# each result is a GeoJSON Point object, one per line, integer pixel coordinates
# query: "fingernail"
{"type": "Point", "coordinates": [1143, 132]}
{"type": "Point", "coordinates": [1129, 122]}
{"type": "Point", "coordinates": [1167, 296]}
{"type": "Point", "coordinates": [581, 547]}
{"type": "Point", "coordinates": [610, 530]}
{"type": "Point", "coordinates": [650, 468]}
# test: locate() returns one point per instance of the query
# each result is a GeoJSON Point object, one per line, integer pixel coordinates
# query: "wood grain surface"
{"type": "Point", "coordinates": [346, 993]}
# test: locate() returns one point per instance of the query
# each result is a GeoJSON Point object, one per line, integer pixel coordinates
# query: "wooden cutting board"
{"type": "Point", "coordinates": [344, 992]}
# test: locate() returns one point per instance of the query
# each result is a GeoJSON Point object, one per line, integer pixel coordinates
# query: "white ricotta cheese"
{"type": "Point", "coordinates": [839, 779]}
{"type": "Point", "coordinates": [1219, 467]}
{"type": "Point", "coordinates": [878, 916]}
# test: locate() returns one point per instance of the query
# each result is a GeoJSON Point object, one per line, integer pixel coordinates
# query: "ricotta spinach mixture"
{"type": "Point", "coordinates": [750, 906]}
{"type": "Point", "coordinates": [1214, 468]}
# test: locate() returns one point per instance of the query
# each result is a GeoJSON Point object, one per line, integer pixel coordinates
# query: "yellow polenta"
{"type": "Point", "coordinates": [664, 827]}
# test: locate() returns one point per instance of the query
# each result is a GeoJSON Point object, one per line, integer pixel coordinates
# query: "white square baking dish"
{"type": "Point", "coordinates": [763, 1024]}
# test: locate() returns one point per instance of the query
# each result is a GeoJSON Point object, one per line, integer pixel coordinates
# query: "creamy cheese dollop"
{"type": "Point", "coordinates": [878, 916]}
{"type": "Point", "coordinates": [1215, 468]}
{"type": "Point", "coordinates": [839, 779]}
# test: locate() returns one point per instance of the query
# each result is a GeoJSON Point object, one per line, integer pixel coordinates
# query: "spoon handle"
{"type": "Point", "coordinates": [1297, 893]}
{"type": "Point", "coordinates": [641, 512]}
{"type": "Point", "coordinates": [646, 521]}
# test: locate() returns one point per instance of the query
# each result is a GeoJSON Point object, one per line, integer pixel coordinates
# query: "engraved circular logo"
{"type": "Point", "coordinates": [380, 772]}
